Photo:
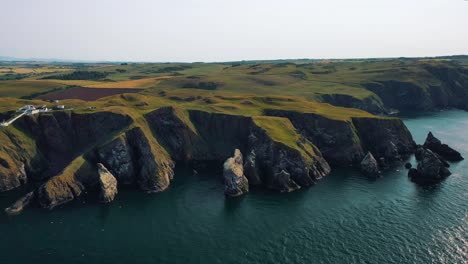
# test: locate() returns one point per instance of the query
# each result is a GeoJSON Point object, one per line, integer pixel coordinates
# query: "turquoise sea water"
{"type": "Point", "coordinates": [346, 218]}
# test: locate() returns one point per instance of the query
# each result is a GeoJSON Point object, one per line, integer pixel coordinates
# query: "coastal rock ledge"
{"type": "Point", "coordinates": [235, 182]}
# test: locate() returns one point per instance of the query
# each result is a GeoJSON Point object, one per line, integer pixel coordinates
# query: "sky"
{"type": "Point", "coordinates": [217, 30]}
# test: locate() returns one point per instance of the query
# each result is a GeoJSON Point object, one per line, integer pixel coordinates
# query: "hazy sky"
{"type": "Point", "coordinates": [217, 30]}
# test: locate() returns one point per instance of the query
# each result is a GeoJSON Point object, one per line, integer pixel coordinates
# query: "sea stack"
{"type": "Point", "coordinates": [431, 168]}
{"type": "Point", "coordinates": [235, 182]}
{"type": "Point", "coordinates": [436, 146]}
{"type": "Point", "coordinates": [369, 166]}
{"type": "Point", "coordinates": [108, 184]}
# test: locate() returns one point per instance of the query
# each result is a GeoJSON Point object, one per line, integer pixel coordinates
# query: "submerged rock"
{"type": "Point", "coordinates": [431, 168]}
{"type": "Point", "coordinates": [19, 205]}
{"type": "Point", "coordinates": [233, 172]}
{"type": "Point", "coordinates": [369, 166]}
{"type": "Point", "coordinates": [436, 146]}
{"type": "Point", "coordinates": [108, 184]}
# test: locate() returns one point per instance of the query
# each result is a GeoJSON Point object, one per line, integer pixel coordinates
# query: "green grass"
{"type": "Point", "coordinates": [307, 79]}
{"type": "Point", "coordinates": [21, 88]}
{"type": "Point", "coordinates": [281, 130]}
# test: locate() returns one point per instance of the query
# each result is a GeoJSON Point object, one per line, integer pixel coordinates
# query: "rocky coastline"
{"type": "Point", "coordinates": [71, 153]}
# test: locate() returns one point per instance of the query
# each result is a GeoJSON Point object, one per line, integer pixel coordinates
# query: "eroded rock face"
{"type": "Point", "coordinates": [251, 169]}
{"type": "Point", "coordinates": [13, 177]}
{"type": "Point", "coordinates": [154, 172]}
{"type": "Point", "coordinates": [67, 185]}
{"type": "Point", "coordinates": [233, 172]}
{"type": "Point", "coordinates": [60, 135]}
{"type": "Point", "coordinates": [57, 191]}
{"type": "Point", "coordinates": [436, 146]}
{"type": "Point", "coordinates": [108, 184]}
{"type": "Point", "coordinates": [431, 169]}
{"type": "Point", "coordinates": [369, 166]}
{"type": "Point", "coordinates": [19, 205]}
{"type": "Point", "coordinates": [387, 138]}
{"type": "Point", "coordinates": [117, 156]}
{"type": "Point", "coordinates": [273, 157]}
{"type": "Point", "coordinates": [282, 182]}
{"type": "Point", "coordinates": [173, 132]}
{"type": "Point", "coordinates": [336, 139]}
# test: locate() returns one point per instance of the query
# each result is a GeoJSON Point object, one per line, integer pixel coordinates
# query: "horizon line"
{"type": "Point", "coordinates": [51, 60]}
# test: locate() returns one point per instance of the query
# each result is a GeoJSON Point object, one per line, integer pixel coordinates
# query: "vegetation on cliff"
{"type": "Point", "coordinates": [272, 112]}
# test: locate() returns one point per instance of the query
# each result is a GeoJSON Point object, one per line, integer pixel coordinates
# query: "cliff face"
{"type": "Point", "coordinates": [443, 87]}
{"type": "Point", "coordinates": [19, 157]}
{"type": "Point", "coordinates": [203, 136]}
{"type": "Point", "coordinates": [385, 138]}
{"type": "Point", "coordinates": [61, 136]}
{"type": "Point", "coordinates": [285, 150]}
{"type": "Point", "coordinates": [345, 142]}
{"type": "Point", "coordinates": [371, 104]}
{"type": "Point", "coordinates": [283, 167]}
{"type": "Point", "coordinates": [337, 139]}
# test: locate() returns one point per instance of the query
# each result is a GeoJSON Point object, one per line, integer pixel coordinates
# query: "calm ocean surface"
{"type": "Point", "coordinates": [346, 218]}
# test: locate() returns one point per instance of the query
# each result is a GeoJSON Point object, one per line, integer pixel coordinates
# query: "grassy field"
{"type": "Point", "coordinates": [185, 82]}
{"type": "Point", "coordinates": [22, 88]}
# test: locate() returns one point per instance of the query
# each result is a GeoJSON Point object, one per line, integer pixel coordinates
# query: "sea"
{"type": "Point", "coordinates": [345, 218]}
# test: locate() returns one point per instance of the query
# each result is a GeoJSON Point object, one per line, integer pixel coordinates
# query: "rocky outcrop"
{"type": "Point", "coordinates": [436, 146]}
{"type": "Point", "coordinates": [21, 204]}
{"type": "Point", "coordinates": [431, 168]}
{"type": "Point", "coordinates": [108, 184]}
{"type": "Point", "coordinates": [369, 166]}
{"type": "Point", "coordinates": [61, 189]}
{"type": "Point", "coordinates": [233, 172]}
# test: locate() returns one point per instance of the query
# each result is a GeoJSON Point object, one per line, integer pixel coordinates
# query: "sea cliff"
{"type": "Point", "coordinates": [284, 150]}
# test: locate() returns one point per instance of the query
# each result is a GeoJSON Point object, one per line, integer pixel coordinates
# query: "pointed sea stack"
{"type": "Point", "coordinates": [369, 166]}
{"type": "Point", "coordinates": [235, 182]}
{"type": "Point", "coordinates": [436, 146]}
